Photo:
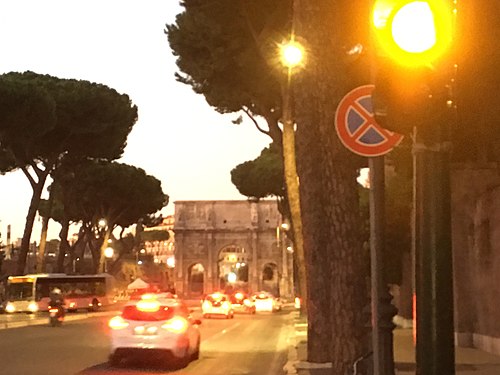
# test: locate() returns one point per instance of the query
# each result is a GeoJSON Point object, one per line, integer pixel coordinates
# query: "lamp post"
{"type": "Point", "coordinates": [108, 254]}
{"type": "Point", "coordinates": [292, 57]}
{"type": "Point", "coordinates": [286, 252]}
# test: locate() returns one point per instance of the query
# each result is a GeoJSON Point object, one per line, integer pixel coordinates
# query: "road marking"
{"type": "Point", "coordinates": [221, 333]}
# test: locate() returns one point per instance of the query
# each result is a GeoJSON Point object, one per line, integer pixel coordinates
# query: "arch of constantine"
{"type": "Point", "coordinates": [228, 245]}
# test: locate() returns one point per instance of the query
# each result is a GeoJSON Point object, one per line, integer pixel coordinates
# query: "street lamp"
{"type": "Point", "coordinates": [292, 56]}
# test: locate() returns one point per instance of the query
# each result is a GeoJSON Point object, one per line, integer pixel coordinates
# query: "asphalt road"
{"type": "Point", "coordinates": [246, 345]}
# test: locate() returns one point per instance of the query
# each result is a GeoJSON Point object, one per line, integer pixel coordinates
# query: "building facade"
{"type": "Point", "coordinates": [229, 245]}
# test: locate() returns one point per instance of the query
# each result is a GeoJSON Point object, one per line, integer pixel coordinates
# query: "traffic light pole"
{"type": "Point", "coordinates": [435, 353]}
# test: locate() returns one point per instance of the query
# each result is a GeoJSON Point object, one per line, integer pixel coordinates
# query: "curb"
{"type": "Point", "coordinates": [290, 366]}
{"type": "Point", "coordinates": [45, 321]}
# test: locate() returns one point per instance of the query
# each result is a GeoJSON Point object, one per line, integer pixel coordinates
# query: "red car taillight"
{"type": "Point", "coordinates": [53, 310]}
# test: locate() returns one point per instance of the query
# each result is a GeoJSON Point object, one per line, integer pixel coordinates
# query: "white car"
{"type": "Point", "coordinates": [217, 304]}
{"type": "Point", "coordinates": [266, 302]}
{"type": "Point", "coordinates": [155, 325]}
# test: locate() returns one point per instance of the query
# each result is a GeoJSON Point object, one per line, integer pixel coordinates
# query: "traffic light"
{"type": "Point", "coordinates": [412, 40]}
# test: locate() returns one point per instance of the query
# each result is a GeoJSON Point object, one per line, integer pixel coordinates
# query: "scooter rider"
{"type": "Point", "coordinates": [57, 300]}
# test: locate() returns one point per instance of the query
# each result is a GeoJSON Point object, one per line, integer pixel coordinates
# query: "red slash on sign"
{"type": "Point", "coordinates": [356, 126]}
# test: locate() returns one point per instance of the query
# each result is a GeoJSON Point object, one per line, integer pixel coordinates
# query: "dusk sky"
{"type": "Point", "coordinates": [178, 138]}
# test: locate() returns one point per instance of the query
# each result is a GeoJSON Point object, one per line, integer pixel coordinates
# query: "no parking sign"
{"type": "Point", "coordinates": [356, 126]}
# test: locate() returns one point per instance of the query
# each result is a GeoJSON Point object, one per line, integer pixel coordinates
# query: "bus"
{"type": "Point", "coordinates": [31, 293]}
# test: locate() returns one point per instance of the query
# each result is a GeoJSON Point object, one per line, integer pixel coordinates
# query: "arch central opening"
{"type": "Point", "coordinates": [233, 266]}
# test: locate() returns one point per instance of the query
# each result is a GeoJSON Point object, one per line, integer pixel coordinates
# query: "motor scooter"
{"type": "Point", "coordinates": [56, 315]}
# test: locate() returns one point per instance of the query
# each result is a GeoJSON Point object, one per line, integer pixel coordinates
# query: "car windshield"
{"type": "Point", "coordinates": [219, 298]}
{"type": "Point", "coordinates": [238, 297]}
{"type": "Point", "coordinates": [133, 313]}
{"type": "Point", "coordinates": [262, 296]}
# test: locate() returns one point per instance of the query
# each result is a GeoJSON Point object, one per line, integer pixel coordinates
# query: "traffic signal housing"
{"type": "Point", "coordinates": [412, 40]}
{"type": "Point", "coordinates": [412, 32]}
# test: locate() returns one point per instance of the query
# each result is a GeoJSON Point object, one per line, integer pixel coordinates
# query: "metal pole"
{"type": "Point", "coordinates": [382, 310]}
{"type": "Point", "coordinates": [435, 352]}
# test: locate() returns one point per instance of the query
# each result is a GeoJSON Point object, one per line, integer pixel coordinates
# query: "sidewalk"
{"type": "Point", "coordinates": [468, 361]}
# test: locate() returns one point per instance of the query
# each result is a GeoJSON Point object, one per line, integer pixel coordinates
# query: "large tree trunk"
{"type": "Point", "coordinates": [329, 193]}
{"type": "Point", "coordinates": [30, 217]}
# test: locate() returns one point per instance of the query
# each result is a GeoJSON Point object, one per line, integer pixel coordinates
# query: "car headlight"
{"type": "Point", "coordinates": [10, 308]}
{"type": "Point", "coordinates": [33, 307]}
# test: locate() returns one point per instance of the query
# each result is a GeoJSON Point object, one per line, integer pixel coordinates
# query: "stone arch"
{"type": "Point", "coordinates": [270, 278]}
{"type": "Point", "coordinates": [196, 279]}
{"type": "Point", "coordinates": [233, 260]}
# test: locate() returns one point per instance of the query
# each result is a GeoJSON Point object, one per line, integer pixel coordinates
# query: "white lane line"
{"type": "Point", "coordinates": [221, 333]}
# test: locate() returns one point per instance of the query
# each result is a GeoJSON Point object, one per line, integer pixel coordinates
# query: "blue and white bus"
{"type": "Point", "coordinates": [31, 293]}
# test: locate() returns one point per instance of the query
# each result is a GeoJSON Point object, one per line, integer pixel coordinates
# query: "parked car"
{"type": "Point", "coordinates": [218, 304]}
{"type": "Point", "coordinates": [242, 303]}
{"type": "Point", "coordinates": [158, 325]}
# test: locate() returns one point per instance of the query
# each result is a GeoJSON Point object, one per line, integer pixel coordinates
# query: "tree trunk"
{"type": "Point", "coordinates": [102, 259]}
{"type": "Point", "coordinates": [30, 220]}
{"type": "Point", "coordinates": [329, 192]}
{"type": "Point", "coordinates": [40, 264]}
{"type": "Point", "coordinates": [293, 193]}
{"type": "Point", "coordinates": [63, 246]}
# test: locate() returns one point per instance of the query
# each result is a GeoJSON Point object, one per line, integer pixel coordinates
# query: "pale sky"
{"type": "Point", "coordinates": [178, 138]}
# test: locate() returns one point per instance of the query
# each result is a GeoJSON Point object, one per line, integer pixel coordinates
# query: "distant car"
{"type": "Point", "coordinates": [265, 301]}
{"type": "Point", "coordinates": [158, 325]}
{"type": "Point", "coordinates": [242, 303]}
{"type": "Point", "coordinates": [217, 304]}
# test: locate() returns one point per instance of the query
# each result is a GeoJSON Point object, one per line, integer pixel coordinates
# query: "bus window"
{"type": "Point", "coordinates": [20, 291]}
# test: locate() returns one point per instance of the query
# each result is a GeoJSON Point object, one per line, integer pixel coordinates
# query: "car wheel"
{"type": "Point", "coordinates": [196, 354]}
{"type": "Point", "coordinates": [182, 361]}
{"type": "Point", "coordinates": [114, 360]}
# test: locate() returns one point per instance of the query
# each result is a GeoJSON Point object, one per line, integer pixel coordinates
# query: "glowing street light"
{"type": "Point", "coordinates": [109, 252]}
{"type": "Point", "coordinates": [291, 54]}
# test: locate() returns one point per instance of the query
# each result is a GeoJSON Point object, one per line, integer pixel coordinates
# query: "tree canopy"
{"type": "Point", "coordinates": [43, 118]}
{"type": "Point", "coordinates": [227, 51]}
{"type": "Point", "coordinates": [261, 177]}
{"type": "Point", "coordinates": [120, 193]}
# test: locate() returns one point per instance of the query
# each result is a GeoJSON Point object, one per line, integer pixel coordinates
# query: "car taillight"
{"type": "Point", "coordinates": [176, 325]}
{"type": "Point", "coordinates": [206, 305]}
{"type": "Point", "coordinates": [247, 302]}
{"type": "Point", "coordinates": [238, 295]}
{"type": "Point", "coordinates": [117, 323]}
{"type": "Point", "coordinates": [53, 310]}
{"type": "Point", "coordinates": [225, 305]}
